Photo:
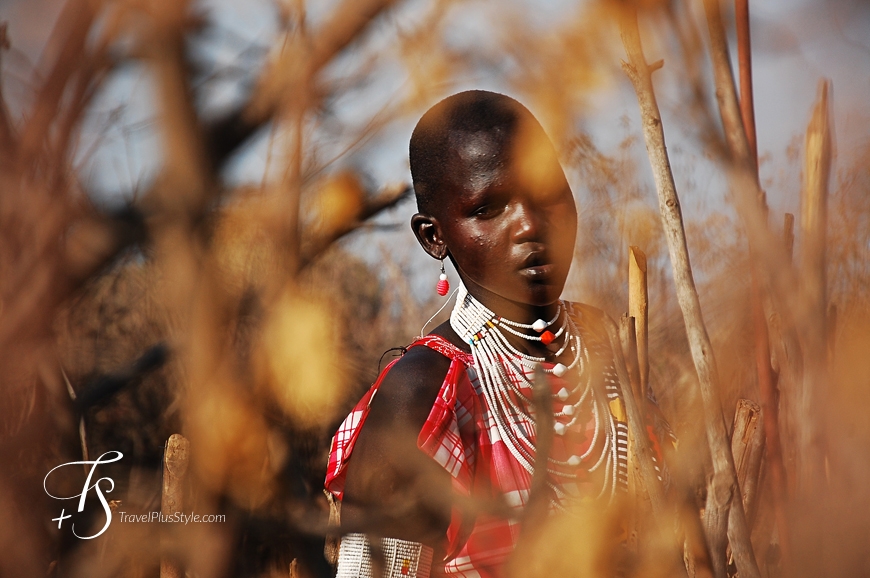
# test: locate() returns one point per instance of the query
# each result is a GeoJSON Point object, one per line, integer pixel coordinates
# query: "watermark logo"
{"type": "Point", "coordinates": [173, 518]}
{"type": "Point", "coordinates": [100, 491]}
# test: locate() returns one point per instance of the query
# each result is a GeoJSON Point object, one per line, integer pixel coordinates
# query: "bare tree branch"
{"type": "Point", "coordinates": [725, 476]}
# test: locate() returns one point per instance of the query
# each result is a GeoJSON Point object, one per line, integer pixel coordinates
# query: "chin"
{"type": "Point", "coordinates": [542, 294]}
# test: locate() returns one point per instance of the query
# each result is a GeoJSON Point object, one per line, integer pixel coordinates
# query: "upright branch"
{"type": "Point", "coordinates": [638, 307]}
{"type": "Point", "coordinates": [788, 234]}
{"type": "Point", "coordinates": [725, 476]}
{"type": "Point", "coordinates": [814, 218]}
{"type": "Point", "coordinates": [628, 339]}
{"type": "Point", "coordinates": [741, 139]}
{"type": "Point", "coordinates": [726, 93]}
{"type": "Point", "coordinates": [747, 447]}
{"type": "Point", "coordinates": [639, 439]}
{"type": "Point", "coordinates": [175, 461]}
{"type": "Point", "coordinates": [744, 58]}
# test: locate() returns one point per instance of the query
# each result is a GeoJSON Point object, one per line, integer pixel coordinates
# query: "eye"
{"type": "Point", "coordinates": [489, 210]}
{"type": "Point", "coordinates": [490, 206]}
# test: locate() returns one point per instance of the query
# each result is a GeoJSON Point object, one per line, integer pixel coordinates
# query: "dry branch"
{"type": "Point", "coordinates": [386, 199]}
{"type": "Point", "coordinates": [747, 446]}
{"type": "Point", "coordinates": [299, 67]}
{"type": "Point", "coordinates": [744, 57]}
{"type": "Point", "coordinates": [725, 476]}
{"type": "Point", "coordinates": [175, 461]}
{"type": "Point", "coordinates": [69, 39]}
{"type": "Point", "coordinates": [628, 339]}
{"type": "Point", "coordinates": [741, 142]}
{"type": "Point", "coordinates": [814, 218]}
{"type": "Point", "coordinates": [726, 94]}
{"type": "Point", "coordinates": [788, 234]}
{"type": "Point", "coordinates": [639, 440]}
{"type": "Point", "coordinates": [719, 499]}
{"type": "Point", "coordinates": [638, 307]}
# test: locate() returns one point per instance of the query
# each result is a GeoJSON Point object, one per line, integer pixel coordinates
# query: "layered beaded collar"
{"type": "Point", "coordinates": [496, 360]}
{"type": "Point", "coordinates": [482, 329]}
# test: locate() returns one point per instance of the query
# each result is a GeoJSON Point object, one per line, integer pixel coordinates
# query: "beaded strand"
{"type": "Point", "coordinates": [492, 351]}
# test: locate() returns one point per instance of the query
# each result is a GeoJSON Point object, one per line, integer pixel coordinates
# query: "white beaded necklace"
{"type": "Point", "coordinates": [493, 353]}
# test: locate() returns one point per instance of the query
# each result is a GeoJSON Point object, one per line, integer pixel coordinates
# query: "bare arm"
{"type": "Point", "coordinates": [393, 489]}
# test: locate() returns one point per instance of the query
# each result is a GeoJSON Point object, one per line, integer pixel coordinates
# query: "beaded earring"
{"type": "Point", "coordinates": [443, 285]}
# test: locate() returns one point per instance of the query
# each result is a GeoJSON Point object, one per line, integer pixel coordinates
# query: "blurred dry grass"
{"type": "Point", "coordinates": [274, 329]}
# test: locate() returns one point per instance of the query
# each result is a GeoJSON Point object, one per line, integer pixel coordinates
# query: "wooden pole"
{"type": "Point", "coordinates": [628, 340]}
{"type": "Point", "coordinates": [696, 556]}
{"type": "Point", "coordinates": [640, 446]}
{"type": "Point", "coordinates": [719, 498]}
{"type": "Point", "coordinates": [744, 59]}
{"type": "Point", "coordinates": [636, 429]}
{"type": "Point", "coordinates": [740, 136]}
{"type": "Point", "coordinates": [638, 307]}
{"type": "Point", "coordinates": [814, 218]}
{"type": "Point", "coordinates": [747, 446]}
{"type": "Point", "coordinates": [726, 93]}
{"type": "Point", "coordinates": [175, 460]}
{"type": "Point", "coordinates": [788, 235]}
{"type": "Point", "coordinates": [725, 476]}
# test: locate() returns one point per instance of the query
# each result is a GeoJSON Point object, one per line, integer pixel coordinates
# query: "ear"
{"type": "Point", "coordinates": [428, 233]}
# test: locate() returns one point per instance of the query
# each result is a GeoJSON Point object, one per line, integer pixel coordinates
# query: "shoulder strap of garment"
{"type": "Point", "coordinates": [442, 346]}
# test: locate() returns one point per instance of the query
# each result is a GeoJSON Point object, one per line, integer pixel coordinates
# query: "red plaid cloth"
{"type": "Point", "coordinates": [461, 435]}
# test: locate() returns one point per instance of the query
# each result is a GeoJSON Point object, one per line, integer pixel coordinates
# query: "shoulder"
{"type": "Point", "coordinates": [410, 387]}
{"type": "Point", "coordinates": [419, 370]}
{"type": "Point", "coordinates": [592, 322]}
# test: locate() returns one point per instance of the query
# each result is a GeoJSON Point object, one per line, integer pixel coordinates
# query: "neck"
{"type": "Point", "coordinates": [512, 310]}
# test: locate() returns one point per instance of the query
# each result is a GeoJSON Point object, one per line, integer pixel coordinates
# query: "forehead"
{"type": "Point", "coordinates": [522, 159]}
{"type": "Point", "coordinates": [475, 160]}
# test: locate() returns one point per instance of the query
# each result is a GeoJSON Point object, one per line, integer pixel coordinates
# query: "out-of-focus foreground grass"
{"type": "Point", "coordinates": [236, 317]}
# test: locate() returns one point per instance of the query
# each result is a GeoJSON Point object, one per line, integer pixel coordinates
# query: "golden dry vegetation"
{"type": "Point", "coordinates": [238, 317]}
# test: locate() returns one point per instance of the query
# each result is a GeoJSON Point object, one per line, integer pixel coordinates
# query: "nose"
{"type": "Point", "coordinates": [530, 222]}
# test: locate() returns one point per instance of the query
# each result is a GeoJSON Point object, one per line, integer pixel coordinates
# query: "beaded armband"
{"type": "Point", "coordinates": [358, 558]}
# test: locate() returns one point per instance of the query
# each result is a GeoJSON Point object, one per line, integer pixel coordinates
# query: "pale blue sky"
{"type": "Point", "coordinates": [795, 43]}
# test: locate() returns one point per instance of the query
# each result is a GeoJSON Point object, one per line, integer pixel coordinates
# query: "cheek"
{"type": "Point", "coordinates": [477, 253]}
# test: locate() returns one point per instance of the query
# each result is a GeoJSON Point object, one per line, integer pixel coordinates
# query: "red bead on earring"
{"type": "Point", "coordinates": [443, 285]}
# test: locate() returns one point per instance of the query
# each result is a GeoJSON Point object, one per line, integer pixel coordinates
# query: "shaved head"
{"type": "Point", "coordinates": [464, 135]}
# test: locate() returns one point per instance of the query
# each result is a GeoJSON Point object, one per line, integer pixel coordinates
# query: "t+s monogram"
{"type": "Point", "coordinates": [103, 459]}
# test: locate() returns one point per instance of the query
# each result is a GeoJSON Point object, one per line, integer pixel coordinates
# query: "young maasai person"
{"type": "Point", "coordinates": [438, 457]}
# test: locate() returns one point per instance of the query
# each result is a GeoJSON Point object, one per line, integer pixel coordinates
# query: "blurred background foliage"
{"type": "Point", "coordinates": [203, 213]}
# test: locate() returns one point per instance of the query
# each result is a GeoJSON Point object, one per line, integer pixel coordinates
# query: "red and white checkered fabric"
{"type": "Point", "coordinates": [461, 435]}
{"type": "Point", "coordinates": [345, 438]}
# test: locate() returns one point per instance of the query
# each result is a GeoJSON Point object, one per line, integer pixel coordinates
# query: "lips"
{"type": "Point", "coordinates": [537, 266]}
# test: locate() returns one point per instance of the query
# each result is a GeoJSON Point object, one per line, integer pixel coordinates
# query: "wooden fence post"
{"type": "Point", "coordinates": [628, 340]}
{"type": "Point", "coordinates": [747, 446]}
{"type": "Point", "coordinates": [175, 460]}
{"type": "Point", "coordinates": [814, 219]}
{"type": "Point", "coordinates": [638, 307]}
